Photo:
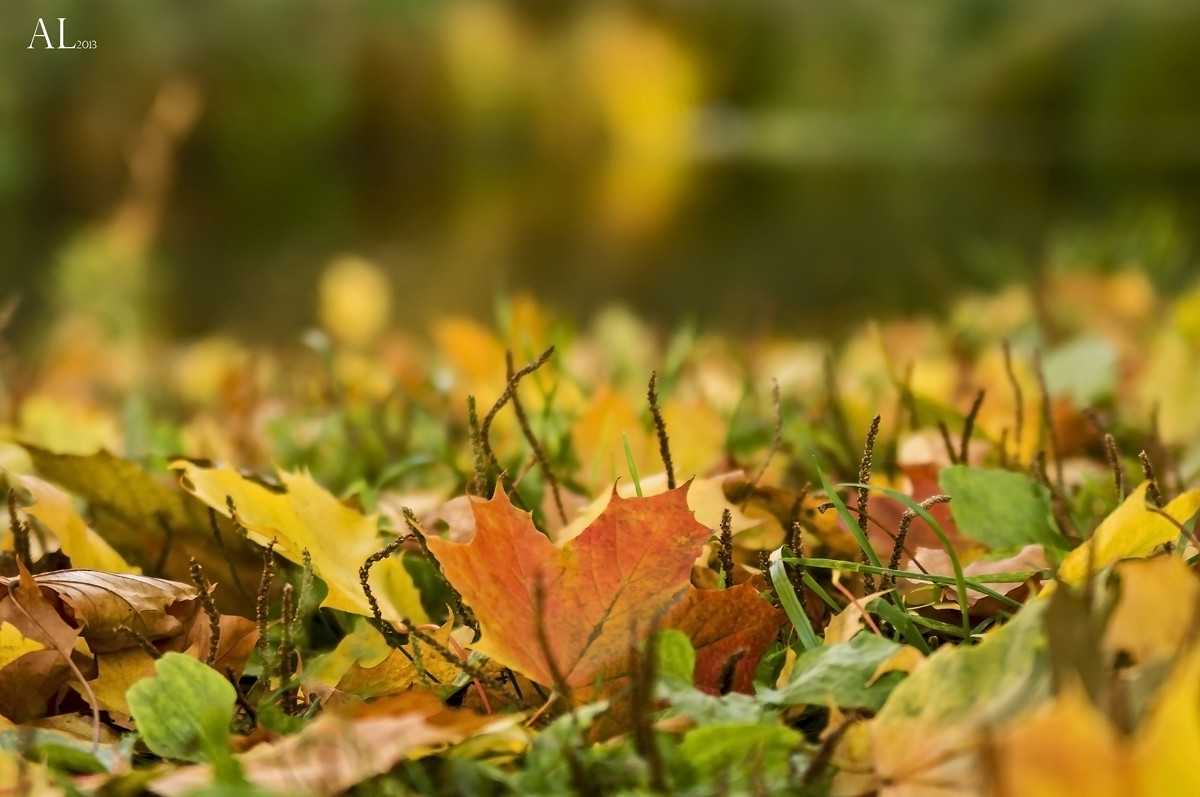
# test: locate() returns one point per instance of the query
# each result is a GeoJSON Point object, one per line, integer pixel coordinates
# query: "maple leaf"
{"type": "Point", "coordinates": [142, 517]}
{"type": "Point", "coordinates": [598, 594]}
{"type": "Point", "coordinates": [306, 516]}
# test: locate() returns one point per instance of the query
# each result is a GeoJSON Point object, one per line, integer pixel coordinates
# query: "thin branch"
{"type": "Point", "coordinates": [478, 483]}
{"type": "Point", "coordinates": [238, 584]}
{"type": "Point", "coordinates": [864, 478]}
{"type": "Point", "coordinates": [1018, 400]}
{"type": "Point", "coordinates": [1114, 463]}
{"type": "Point", "coordinates": [20, 532]}
{"type": "Point", "coordinates": [969, 426]}
{"type": "Point", "coordinates": [140, 640]}
{"type": "Point", "coordinates": [390, 634]}
{"type": "Point", "coordinates": [660, 429]}
{"type": "Point", "coordinates": [1153, 493]}
{"type": "Point", "coordinates": [725, 548]}
{"type": "Point", "coordinates": [262, 605]}
{"type": "Point", "coordinates": [1048, 423]}
{"type": "Point", "coordinates": [947, 442]}
{"type": "Point", "coordinates": [509, 389]}
{"type": "Point", "coordinates": [906, 519]}
{"type": "Point", "coordinates": [210, 610]}
{"type": "Point", "coordinates": [414, 529]}
{"type": "Point", "coordinates": [538, 451]}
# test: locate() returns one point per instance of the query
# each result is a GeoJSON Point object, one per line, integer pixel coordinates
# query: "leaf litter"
{"type": "Point", "coordinates": [1008, 608]}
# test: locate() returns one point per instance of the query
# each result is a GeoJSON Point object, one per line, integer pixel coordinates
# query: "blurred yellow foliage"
{"type": "Point", "coordinates": [354, 301]}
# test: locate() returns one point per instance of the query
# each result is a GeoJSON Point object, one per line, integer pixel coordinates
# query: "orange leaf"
{"type": "Point", "coordinates": [727, 626]}
{"type": "Point", "coordinates": [600, 592]}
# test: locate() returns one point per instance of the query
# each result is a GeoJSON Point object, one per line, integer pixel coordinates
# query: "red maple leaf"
{"type": "Point", "coordinates": [581, 607]}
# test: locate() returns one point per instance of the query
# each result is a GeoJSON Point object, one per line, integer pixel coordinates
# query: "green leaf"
{"type": "Point", "coordinates": [184, 712]}
{"type": "Point", "coordinates": [985, 683]}
{"type": "Point", "coordinates": [62, 752]}
{"type": "Point", "coordinates": [675, 658]}
{"type": "Point", "coordinates": [791, 602]}
{"type": "Point", "coordinates": [841, 672]}
{"type": "Point", "coordinates": [1084, 369]}
{"type": "Point", "coordinates": [705, 709]}
{"type": "Point", "coordinates": [1001, 509]}
{"type": "Point", "coordinates": [722, 753]}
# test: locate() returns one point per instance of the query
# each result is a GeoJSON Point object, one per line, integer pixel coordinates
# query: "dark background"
{"type": "Point", "coordinates": [746, 163]}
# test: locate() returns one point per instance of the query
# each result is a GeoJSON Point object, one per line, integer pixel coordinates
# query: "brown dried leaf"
{"type": "Point", "coordinates": [334, 752]}
{"type": "Point", "coordinates": [28, 684]}
{"type": "Point", "coordinates": [101, 603]}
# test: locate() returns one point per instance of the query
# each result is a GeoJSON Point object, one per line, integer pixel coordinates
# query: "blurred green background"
{"type": "Point", "coordinates": [793, 163]}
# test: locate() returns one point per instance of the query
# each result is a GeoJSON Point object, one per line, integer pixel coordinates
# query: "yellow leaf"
{"type": "Point", "coordinates": [14, 644]}
{"type": "Point", "coordinates": [1154, 614]}
{"type": "Point", "coordinates": [697, 434]}
{"type": "Point", "coordinates": [1067, 747]}
{"type": "Point", "coordinates": [705, 497]}
{"type": "Point", "coordinates": [907, 659]}
{"type": "Point", "coordinates": [354, 300]}
{"type": "Point", "coordinates": [397, 672]}
{"type": "Point", "coordinates": [119, 670]}
{"type": "Point", "coordinates": [86, 549]}
{"type": "Point", "coordinates": [1132, 531]}
{"type": "Point", "coordinates": [306, 516]}
{"type": "Point", "coordinates": [363, 646]}
{"type": "Point", "coordinates": [596, 436]}
{"type": "Point", "coordinates": [475, 356]}
{"type": "Point", "coordinates": [1165, 753]}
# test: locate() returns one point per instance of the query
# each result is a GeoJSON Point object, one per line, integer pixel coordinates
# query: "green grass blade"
{"type": "Point", "coordinates": [791, 603]}
{"type": "Point", "coordinates": [849, 519]}
{"type": "Point", "coordinates": [1014, 577]}
{"type": "Point", "coordinates": [633, 474]}
{"type": "Point", "coordinates": [902, 622]}
{"type": "Point", "coordinates": [959, 579]}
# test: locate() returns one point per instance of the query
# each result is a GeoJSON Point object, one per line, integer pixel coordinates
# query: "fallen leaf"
{"type": "Point", "coordinates": [1131, 532]}
{"type": "Point", "coordinates": [30, 681]}
{"type": "Point", "coordinates": [1165, 751]}
{"type": "Point", "coordinates": [840, 674]}
{"type": "Point", "coordinates": [729, 625]}
{"type": "Point", "coordinates": [119, 670]}
{"type": "Point", "coordinates": [1156, 609]}
{"type": "Point", "coordinates": [600, 592]}
{"type": "Point", "coordinates": [306, 516]}
{"type": "Point", "coordinates": [334, 752]}
{"type": "Point", "coordinates": [847, 623]}
{"type": "Point", "coordinates": [14, 644]}
{"type": "Point", "coordinates": [907, 659]}
{"type": "Point", "coordinates": [149, 522]}
{"type": "Point", "coordinates": [705, 497]}
{"type": "Point", "coordinates": [86, 549]}
{"type": "Point", "coordinates": [102, 603]}
{"type": "Point", "coordinates": [238, 637]}
{"type": "Point", "coordinates": [937, 562]}
{"type": "Point", "coordinates": [929, 730]}
{"type": "Point", "coordinates": [1065, 747]}
{"type": "Point", "coordinates": [398, 672]}
{"type": "Point", "coordinates": [1002, 509]}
